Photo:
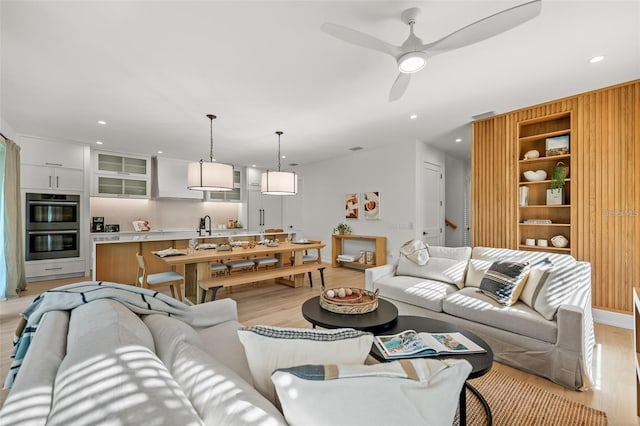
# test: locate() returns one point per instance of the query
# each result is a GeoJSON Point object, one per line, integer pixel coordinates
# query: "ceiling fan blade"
{"type": "Point", "coordinates": [486, 27]}
{"type": "Point", "coordinates": [399, 86]}
{"type": "Point", "coordinates": [359, 39]}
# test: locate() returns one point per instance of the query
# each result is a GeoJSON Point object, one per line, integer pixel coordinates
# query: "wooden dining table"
{"type": "Point", "coordinates": [197, 264]}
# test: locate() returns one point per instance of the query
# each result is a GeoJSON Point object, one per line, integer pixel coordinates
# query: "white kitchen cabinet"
{"type": "Point", "coordinates": [121, 175]}
{"type": "Point", "coordinates": [170, 179]}
{"type": "Point", "coordinates": [264, 211]}
{"type": "Point", "coordinates": [54, 178]}
{"type": "Point", "coordinates": [292, 211]}
{"type": "Point", "coordinates": [254, 178]}
{"type": "Point", "coordinates": [51, 153]}
{"type": "Point", "coordinates": [236, 195]}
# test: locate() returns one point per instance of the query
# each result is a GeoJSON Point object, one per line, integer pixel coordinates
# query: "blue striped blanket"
{"type": "Point", "coordinates": [137, 299]}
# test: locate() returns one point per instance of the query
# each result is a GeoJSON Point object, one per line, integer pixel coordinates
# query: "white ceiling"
{"type": "Point", "coordinates": [152, 70]}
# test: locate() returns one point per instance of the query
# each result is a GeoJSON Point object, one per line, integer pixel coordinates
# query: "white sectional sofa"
{"type": "Point", "coordinates": [551, 335]}
{"type": "Point", "coordinates": [113, 360]}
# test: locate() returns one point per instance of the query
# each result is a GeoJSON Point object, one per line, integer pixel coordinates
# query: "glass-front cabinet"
{"type": "Point", "coordinates": [121, 175]}
{"type": "Point", "coordinates": [235, 195]}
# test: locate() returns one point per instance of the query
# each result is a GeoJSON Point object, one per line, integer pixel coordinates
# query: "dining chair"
{"type": "Point", "coordinates": [314, 256]}
{"type": "Point", "coordinates": [146, 280]}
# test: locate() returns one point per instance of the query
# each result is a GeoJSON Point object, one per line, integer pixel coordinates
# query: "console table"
{"type": "Point", "coordinates": [378, 246]}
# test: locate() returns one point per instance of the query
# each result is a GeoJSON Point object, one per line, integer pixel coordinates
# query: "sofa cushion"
{"type": "Point", "coordinates": [408, 392]}
{"type": "Point", "coordinates": [270, 348]}
{"type": "Point", "coordinates": [504, 280]}
{"type": "Point", "coordinates": [446, 264]}
{"type": "Point", "coordinates": [111, 374]}
{"type": "Point", "coordinates": [472, 305]}
{"type": "Point", "coordinates": [221, 341]}
{"type": "Point", "coordinates": [492, 254]}
{"type": "Point", "coordinates": [219, 395]}
{"type": "Point", "coordinates": [427, 294]}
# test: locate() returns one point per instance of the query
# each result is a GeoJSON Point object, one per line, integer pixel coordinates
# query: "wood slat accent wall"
{"type": "Point", "coordinates": [605, 185]}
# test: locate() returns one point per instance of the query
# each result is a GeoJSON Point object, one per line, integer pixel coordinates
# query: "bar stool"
{"type": "Point", "coordinates": [171, 278]}
{"type": "Point", "coordinates": [265, 261]}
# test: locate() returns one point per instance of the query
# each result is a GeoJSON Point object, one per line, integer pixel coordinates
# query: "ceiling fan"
{"type": "Point", "coordinates": [412, 55]}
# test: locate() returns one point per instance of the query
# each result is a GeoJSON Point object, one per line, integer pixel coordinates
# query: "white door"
{"type": "Point", "coordinates": [432, 204]}
{"type": "Point", "coordinates": [466, 236]}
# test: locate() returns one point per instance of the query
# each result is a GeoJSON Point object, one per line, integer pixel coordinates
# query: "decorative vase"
{"type": "Point", "coordinates": [559, 241]}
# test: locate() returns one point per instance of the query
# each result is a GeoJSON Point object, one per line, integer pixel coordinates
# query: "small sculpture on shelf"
{"type": "Point", "coordinates": [559, 241]}
{"type": "Point", "coordinates": [530, 155]}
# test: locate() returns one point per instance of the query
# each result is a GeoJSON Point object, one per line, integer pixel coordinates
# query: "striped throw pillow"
{"type": "Point", "coordinates": [504, 281]}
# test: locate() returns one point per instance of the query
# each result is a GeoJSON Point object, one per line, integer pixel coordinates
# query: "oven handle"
{"type": "Point", "coordinates": [51, 232]}
{"type": "Point", "coordinates": [53, 203]}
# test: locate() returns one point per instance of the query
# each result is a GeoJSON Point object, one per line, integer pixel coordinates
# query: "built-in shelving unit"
{"type": "Point", "coordinates": [373, 243]}
{"type": "Point", "coordinates": [533, 135]}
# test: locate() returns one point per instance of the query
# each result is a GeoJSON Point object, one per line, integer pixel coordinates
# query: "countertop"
{"type": "Point", "coordinates": [162, 235]}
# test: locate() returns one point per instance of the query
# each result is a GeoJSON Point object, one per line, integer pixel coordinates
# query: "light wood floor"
{"type": "Point", "coordinates": [279, 305]}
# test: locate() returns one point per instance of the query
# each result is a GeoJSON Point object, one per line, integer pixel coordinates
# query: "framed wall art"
{"type": "Point", "coordinates": [352, 206]}
{"type": "Point", "coordinates": [371, 203]}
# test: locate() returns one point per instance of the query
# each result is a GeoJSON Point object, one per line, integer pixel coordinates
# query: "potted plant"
{"type": "Point", "coordinates": [555, 193]}
{"type": "Point", "coordinates": [342, 229]}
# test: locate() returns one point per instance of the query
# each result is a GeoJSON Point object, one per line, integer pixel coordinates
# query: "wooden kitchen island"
{"type": "Point", "coordinates": [114, 254]}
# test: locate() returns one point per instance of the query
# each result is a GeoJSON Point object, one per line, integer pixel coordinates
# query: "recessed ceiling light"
{"type": "Point", "coordinates": [413, 116]}
{"type": "Point", "coordinates": [458, 140]}
{"type": "Point", "coordinates": [253, 165]}
{"type": "Point", "coordinates": [160, 152]}
{"type": "Point", "coordinates": [102, 122]}
{"type": "Point", "coordinates": [284, 156]}
{"type": "Point", "coordinates": [99, 142]}
{"type": "Point", "coordinates": [596, 59]}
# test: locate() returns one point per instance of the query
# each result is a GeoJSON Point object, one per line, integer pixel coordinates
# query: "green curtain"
{"type": "Point", "coordinates": [12, 274]}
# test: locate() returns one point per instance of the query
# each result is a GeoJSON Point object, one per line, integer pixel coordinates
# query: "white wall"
{"type": "Point", "coordinates": [456, 171]}
{"type": "Point", "coordinates": [7, 130]}
{"type": "Point", "coordinates": [162, 214]}
{"type": "Point", "coordinates": [391, 170]}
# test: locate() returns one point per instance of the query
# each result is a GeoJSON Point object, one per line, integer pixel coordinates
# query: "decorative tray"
{"type": "Point", "coordinates": [353, 300]}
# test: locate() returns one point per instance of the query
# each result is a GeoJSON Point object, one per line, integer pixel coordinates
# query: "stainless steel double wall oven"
{"type": "Point", "coordinates": [52, 226]}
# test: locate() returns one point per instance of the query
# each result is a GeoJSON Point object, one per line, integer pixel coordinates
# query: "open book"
{"type": "Point", "coordinates": [411, 344]}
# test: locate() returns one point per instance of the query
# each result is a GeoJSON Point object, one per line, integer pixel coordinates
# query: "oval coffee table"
{"type": "Point", "coordinates": [378, 321]}
{"type": "Point", "coordinates": [480, 363]}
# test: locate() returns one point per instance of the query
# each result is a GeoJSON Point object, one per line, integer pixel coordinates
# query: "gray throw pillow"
{"type": "Point", "coordinates": [504, 281]}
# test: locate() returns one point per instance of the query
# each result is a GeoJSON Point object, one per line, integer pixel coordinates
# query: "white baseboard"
{"type": "Point", "coordinates": [615, 319]}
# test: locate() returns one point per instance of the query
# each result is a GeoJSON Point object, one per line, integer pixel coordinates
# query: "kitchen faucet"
{"type": "Point", "coordinates": [205, 224]}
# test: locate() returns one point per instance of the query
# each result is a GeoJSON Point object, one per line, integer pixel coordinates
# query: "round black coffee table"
{"type": "Point", "coordinates": [480, 363]}
{"type": "Point", "coordinates": [378, 321]}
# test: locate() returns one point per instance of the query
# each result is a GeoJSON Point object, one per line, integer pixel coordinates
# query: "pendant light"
{"type": "Point", "coordinates": [279, 183]}
{"type": "Point", "coordinates": [210, 176]}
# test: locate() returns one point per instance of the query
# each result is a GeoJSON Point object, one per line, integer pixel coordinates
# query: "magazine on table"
{"type": "Point", "coordinates": [411, 344]}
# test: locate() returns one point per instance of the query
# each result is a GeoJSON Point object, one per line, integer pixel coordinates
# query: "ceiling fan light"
{"type": "Point", "coordinates": [412, 62]}
{"type": "Point", "coordinates": [279, 183]}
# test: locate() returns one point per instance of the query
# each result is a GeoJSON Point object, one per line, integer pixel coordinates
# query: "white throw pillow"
{"type": "Point", "coordinates": [408, 392]}
{"type": "Point", "coordinates": [537, 276]}
{"type": "Point", "coordinates": [270, 348]}
{"type": "Point", "coordinates": [415, 251]}
{"type": "Point", "coordinates": [557, 285]}
{"type": "Point", "coordinates": [476, 271]}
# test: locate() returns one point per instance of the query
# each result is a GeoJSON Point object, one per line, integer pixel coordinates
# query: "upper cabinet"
{"type": "Point", "coordinates": [254, 177]}
{"type": "Point", "coordinates": [234, 196]}
{"type": "Point", "coordinates": [51, 165]}
{"type": "Point", "coordinates": [170, 179]}
{"type": "Point", "coordinates": [121, 175]}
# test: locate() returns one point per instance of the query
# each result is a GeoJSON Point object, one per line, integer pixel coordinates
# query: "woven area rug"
{"type": "Point", "coordinates": [514, 402]}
